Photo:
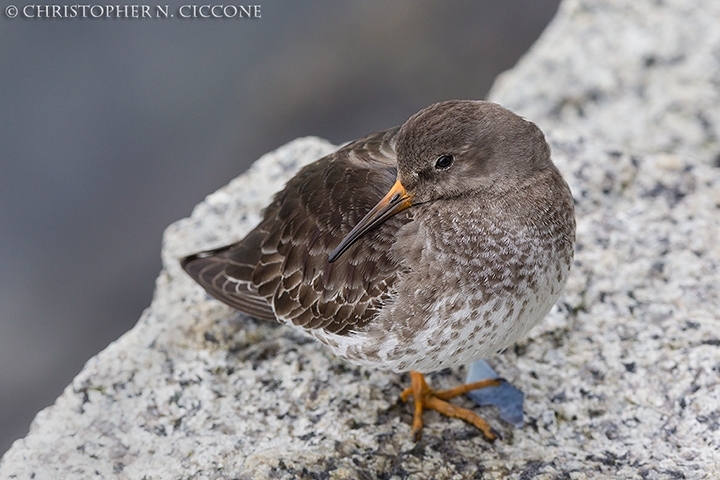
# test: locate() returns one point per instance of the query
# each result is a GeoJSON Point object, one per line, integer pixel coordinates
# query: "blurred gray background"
{"type": "Point", "coordinates": [112, 129]}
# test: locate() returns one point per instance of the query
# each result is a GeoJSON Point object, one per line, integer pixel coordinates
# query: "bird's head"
{"type": "Point", "coordinates": [457, 148]}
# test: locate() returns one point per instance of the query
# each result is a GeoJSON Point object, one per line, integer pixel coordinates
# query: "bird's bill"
{"type": "Point", "coordinates": [395, 201]}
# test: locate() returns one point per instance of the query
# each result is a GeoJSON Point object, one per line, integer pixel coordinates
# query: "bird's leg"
{"type": "Point", "coordinates": [425, 397]}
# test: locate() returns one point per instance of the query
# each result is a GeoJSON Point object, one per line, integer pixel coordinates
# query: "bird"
{"type": "Point", "coordinates": [413, 249]}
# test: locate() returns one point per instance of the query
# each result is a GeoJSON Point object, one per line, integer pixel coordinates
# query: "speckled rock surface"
{"type": "Point", "coordinates": [644, 75]}
{"type": "Point", "coordinates": [622, 380]}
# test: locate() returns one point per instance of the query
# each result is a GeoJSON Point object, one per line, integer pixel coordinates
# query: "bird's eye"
{"type": "Point", "coordinates": [443, 162]}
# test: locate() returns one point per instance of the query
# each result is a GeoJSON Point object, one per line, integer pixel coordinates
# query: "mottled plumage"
{"type": "Point", "coordinates": [467, 252]}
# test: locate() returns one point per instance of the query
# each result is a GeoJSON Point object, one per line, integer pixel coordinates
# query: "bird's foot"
{"type": "Point", "coordinates": [426, 397]}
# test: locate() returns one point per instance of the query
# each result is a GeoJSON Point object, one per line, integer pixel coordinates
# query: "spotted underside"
{"type": "Point", "coordinates": [280, 270]}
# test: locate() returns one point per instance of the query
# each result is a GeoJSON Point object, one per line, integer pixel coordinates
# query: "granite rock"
{"type": "Point", "coordinates": [642, 75]}
{"type": "Point", "coordinates": [622, 379]}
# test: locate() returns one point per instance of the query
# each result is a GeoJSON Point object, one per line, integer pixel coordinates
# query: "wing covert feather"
{"type": "Point", "coordinates": [280, 269]}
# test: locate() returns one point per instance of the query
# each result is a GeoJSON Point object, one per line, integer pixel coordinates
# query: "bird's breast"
{"type": "Point", "coordinates": [468, 286]}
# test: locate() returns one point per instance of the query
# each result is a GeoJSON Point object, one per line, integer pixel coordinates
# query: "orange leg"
{"type": "Point", "coordinates": [425, 397]}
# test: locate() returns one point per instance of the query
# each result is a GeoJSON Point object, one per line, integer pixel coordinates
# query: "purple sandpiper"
{"type": "Point", "coordinates": [413, 249]}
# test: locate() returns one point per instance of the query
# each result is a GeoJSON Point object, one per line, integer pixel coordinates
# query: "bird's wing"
{"type": "Point", "coordinates": [281, 270]}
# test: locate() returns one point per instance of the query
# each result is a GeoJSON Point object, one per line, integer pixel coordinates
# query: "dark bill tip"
{"type": "Point", "coordinates": [395, 201]}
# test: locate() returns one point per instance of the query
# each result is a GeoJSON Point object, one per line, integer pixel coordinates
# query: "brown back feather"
{"type": "Point", "coordinates": [280, 269]}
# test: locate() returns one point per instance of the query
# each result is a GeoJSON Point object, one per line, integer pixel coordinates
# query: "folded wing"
{"type": "Point", "coordinates": [280, 270]}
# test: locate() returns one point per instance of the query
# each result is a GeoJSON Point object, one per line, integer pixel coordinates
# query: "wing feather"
{"type": "Point", "coordinates": [280, 270]}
